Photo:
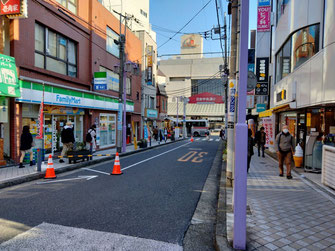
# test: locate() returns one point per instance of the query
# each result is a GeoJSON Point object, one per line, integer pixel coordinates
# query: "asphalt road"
{"type": "Point", "coordinates": [154, 199]}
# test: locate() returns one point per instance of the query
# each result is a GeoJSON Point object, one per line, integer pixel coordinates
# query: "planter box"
{"type": "Point", "coordinates": [77, 155]}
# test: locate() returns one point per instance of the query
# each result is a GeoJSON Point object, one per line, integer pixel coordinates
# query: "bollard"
{"type": "Point", "coordinates": [39, 160]}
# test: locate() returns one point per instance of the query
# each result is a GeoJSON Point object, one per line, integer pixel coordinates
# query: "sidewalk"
{"type": "Point", "coordinates": [13, 174]}
{"type": "Point", "coordinates": [284, 214]}
{"type": "Point", "coordinates": [287, 214]}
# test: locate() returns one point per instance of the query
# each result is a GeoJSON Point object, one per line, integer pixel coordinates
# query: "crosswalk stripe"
{"type": "Point", "coordinates": [204, 139]}
{"type": "Point", "coordinates": [197, 139]}
{"type": "Point", "coordinates": [217, 140]}
{"type": "Point", "coordinates": [210, 139]}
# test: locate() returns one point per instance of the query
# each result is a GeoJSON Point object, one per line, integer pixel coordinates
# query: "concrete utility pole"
{"type": "Point", "coordinates": [241, 136]}
{"type": "Point", "coordinates": [232, 91]}
{"type": "Point", "coordinates": [184, 118]}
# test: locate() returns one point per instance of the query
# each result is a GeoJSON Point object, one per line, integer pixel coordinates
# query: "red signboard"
{"type": "Point", "coordinates": [10, 7]}
{"type": "Point", "coordinates": [206, 97]}
{"type": "Point", "coordinates": [264, 18]}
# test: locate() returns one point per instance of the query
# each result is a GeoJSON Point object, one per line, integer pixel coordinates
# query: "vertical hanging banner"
{"type": "Point", "coordinates": [231, 100]}
{"type": "Point", "coordinates": [268, 124]}
{"type": "Point", "coordinates": [263, 18]}
{"type": "Point", "coordinates": [149, 65]}
{"type": "Point", "coordinates": [40, 121]}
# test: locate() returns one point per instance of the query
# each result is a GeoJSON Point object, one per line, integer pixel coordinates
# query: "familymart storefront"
{"type": "Point", "coordinates": [82, 108]}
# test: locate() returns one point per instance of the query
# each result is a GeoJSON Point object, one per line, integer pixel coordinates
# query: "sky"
{"type": "Point", "coordinates": [174, 14]}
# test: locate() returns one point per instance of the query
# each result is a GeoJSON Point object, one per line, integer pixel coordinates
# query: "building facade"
{"type": "Point", "coordinates": [303, 52]}
{"type": "Point", "coordinates": [69, 44]}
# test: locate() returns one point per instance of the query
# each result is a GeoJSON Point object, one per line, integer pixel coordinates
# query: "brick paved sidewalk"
{"type": "Point", "coordinates": [287, 214]}
{"type": "Point", "coordinates": [13, 172]}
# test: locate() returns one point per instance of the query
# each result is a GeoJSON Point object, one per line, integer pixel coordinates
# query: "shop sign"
{"type": "Point", "coordinates": [3, 110]}
{"type": "Point", "coordinates": [262, 76]}
{"type": "Point", "coordinates": [49, 109]}
{"type": "Point", "coordinates": [149, 64]}
{"type": "Point", "coordinates": [260, 107]}
{"type": "Point", "coordinates": [268, 124]}
{"type": "Point", "coordinates": [67, 100]}
{"type": "Point", "coordinates": [54, 134]}
{"type": "Point", "coordinates": [264, 3]}
{"type": "Point", "coordinates": [145, 132]}
{"type": "Point", "coordinates": [151, 113]}
{"type": "Point", "coordinates": [9, 85]}
{"type": "Point", "coordinates": [40, 122]}
{"type": "Point", "coordinates": [14, 8]}
{"type": "Point", "coordinates": [309, 119]}
{"type": "Point", "coordinates": [119, 117]}
{"type": "Point", "coordinates": [206, 97]}
{"type": "Point", "coordinates": [231, 108]}
{"type": "Point", "coordinates": [281, 95]}
{"type": "Point", "coordinates": [264, 18]}
{"type": "Point", "coordinates": [100, 81]}
{"type": "Point", "coordinates": [251, 67]}
{"type": "Point", "coordinates": [250, 101]}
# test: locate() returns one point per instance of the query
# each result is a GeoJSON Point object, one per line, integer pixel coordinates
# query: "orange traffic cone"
{"type": "Point", "coordinates": [192, 139]}
{"type": "Point", "coordinates": [50, 172]}
{"type": "Point", "coordinates": [117, 167]}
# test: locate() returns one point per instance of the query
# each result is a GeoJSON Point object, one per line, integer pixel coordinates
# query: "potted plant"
{"type": "Point", "coordinates": [79, 152]}
{"type": "Point", "coordinates": [142, 143]}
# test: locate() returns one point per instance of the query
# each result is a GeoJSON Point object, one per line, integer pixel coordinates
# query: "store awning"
{"type": "Point", "coordinates": [281, 108]}
{"type": "Point", "coordinates": [266, 113]}
{"type": "Point", "coordinates": [9, 83]}
{"type": "Point", "coordinates": [206, 110]}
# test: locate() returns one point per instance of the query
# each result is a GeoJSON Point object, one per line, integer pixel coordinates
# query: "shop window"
{"type": "Point", "coordinates": [71, 5]}
{"type": "Point", "coordinates": [111, 46]}
{"type": "Point", "coordinates": [112, 79]}
{"type": "Point", "coordinates": [301, 46]}
{"type": "Point", "coordinates": [152, 102]}
{"type": "Point", "coordinates": [55, 52]}
{"type": "Point", "coordinates": [305, 44]}
{"type": "Point", "coordinates": [107, 130]}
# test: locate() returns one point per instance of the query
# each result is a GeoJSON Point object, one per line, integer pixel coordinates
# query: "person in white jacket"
{"type": "Point", "coordinates": [91, 138]}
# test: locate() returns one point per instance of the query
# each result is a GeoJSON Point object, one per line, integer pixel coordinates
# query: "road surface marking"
{"type": "Point", "coordinates": [217, 140]}
{"type": "Point", "coordinates": [93, 170]}
{"type": "Point", "coordinates": [154, 156]}
{"type": "Point", "coordinates": [71, 238]}
{"type": "Point", "coordinates": [211, 140]}
{"type": "Point", "coordinates": [187, 156]}
{"type": "Point", "coordinates": [204, 139]}
{"type": "Point", "coordinates": [199, 159]}
{"type": "Point", "coordinates": [197, 139]}
{"type": "Point", "coordinates": [78, 178]}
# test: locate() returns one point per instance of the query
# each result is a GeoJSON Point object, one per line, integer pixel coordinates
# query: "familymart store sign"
{"type": "Point", "coordinates": [33, 93]}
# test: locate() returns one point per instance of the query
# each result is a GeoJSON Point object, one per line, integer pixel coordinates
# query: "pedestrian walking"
{"type": "Point", "coordinates": [284, 147]}
{"type": "Point", "coordinates": [250, 148]}
{"type": "Point", "coordinates": [91, 139]}
{"type": "Point", "coordinates": [260, 140]}
{"type": "Point", "coordinates": [26, 143]}
{"type": "Point", "coordinates": [222, 134]}
{"type": "Point", "coordinates": [155, 133]}
{"type": "Point", "coordinates": [165, 134]}
{"type": "Point", "coordinates": [67, 137]}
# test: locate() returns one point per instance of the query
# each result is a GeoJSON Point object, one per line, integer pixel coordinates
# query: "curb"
{"type": "Point", "coordinates": [36, 176]}
{"type": "Point", "coordinates": [221, 240]}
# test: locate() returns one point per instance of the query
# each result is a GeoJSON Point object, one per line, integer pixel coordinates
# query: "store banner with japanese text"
{"type": "Point", "coordinates": [231, 100]}
{"type": "Point", "coordinates": [262, 76]}
{"type": "Point", "coordinates": [9, 84]}
{"type": "Point", "coordinates": [263, 18]}
{"type": "Point", "coordinates": [149, 64]}
{"type": "Point", "coordinates": [268, 124]}
{"type": "Point", "coordinates": [40, 121]}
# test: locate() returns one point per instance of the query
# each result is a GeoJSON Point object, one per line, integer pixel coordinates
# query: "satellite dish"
{"type": "Point", "coordinates": [252, 81]}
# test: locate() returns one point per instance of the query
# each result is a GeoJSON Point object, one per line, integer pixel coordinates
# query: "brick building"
{"type": "Point", "coordinates": [57, 49]}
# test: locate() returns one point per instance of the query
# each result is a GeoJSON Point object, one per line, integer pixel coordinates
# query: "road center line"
{"type": "Point", "coordinates": [154, 156]}
{"type": "Point", "coordinates": [93, 170]}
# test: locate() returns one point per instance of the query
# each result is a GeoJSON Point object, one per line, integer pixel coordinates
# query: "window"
{"type": "Point", "coordinates": [71, 5]}
{"type": "Point", "coordinates": [281, 5]}
{"type": "Point", "coordinates": [301, 46]}
{"type": "Point", "coordinates": [152, 102]}
{"type": "Point", "coordinates": [55, 52]}
{"type": "Point", "coordinates": [305, 44]}
{"type": "Point", "coordinates": [113, 82]}
{"type": "Point", "coordinates": [144, 13]}
{"type": "Point", "coordinates": [128, 89]}
{"type": "Point", "coordinates": [111, 47]}
{"type": "Point", "coordinates": [107, 130]}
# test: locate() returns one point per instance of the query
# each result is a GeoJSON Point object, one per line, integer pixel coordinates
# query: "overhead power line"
{"type": "Point", "coordinates": [185, 24]}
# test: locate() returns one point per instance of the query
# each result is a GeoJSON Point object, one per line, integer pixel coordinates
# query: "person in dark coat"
{"type": "Point", "coordinates": [67, 136]}
{"type": "Point", "coordinates": [26, 144]}
{"type": "Point", "coordinates": [260, 139]}
{"type": "Point", "coordinates": [250, 148]}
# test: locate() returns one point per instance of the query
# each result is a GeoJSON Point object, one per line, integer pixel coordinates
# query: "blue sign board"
{"type": "Point", "coordinates": [251, 67]}
{"type": "Point", "coordinates": [119, 118]}
{"type": "Point", "coordinates": [260, 107]}
{"type": "Point", "coordinates": [145, 132]}
{"type": "Point", "coordinates": [264, 3]}
{"type": "Point", "coordinates": [100, 87]}
{"type": "Point", "coordinates": [151, 113]}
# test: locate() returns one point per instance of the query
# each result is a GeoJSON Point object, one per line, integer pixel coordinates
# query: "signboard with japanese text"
{"type": "Point", "coordinates": [13, 8]}
{"type": "Point", "coordinates": [260, 107]}
{"type": "Point", "coordinates": [264, 18]}
{"type": "Point", "coordinates": [250, 101]}
{"type": "Point", "coordinates": [268, 124]}
{"type": "Point", "coordinates": [100, 81]}
{"type": "Point", "coordinates": [262, 76]}
{"type": "Point", "coordinates": [231, 104]}
{"type": "Point", "coordinates": [149, 64]}
{"type": "Point", "coordinates": [9, 84]}
{"type": "Point", "coordinates": [206, 98]}
{"type": "Point", "coordinates": [119, 117]}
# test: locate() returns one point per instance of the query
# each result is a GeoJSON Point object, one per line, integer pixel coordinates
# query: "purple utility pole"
{"type": "Point", "coordinates": [124, 125]}
{"type": "Point", "coordinates": [241, 137]}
